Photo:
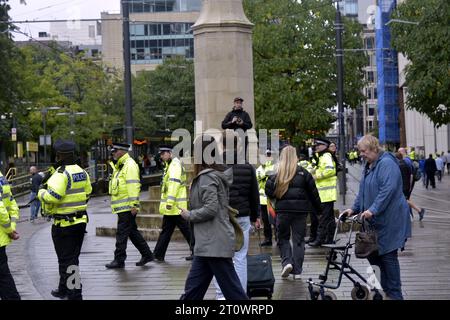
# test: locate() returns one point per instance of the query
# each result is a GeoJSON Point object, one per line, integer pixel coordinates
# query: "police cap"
{"type": "Point", "coordinates": [165, 148]}
{"type": "Point", "coordinates": [322, 141]}
{"type": "Point", "coordinates": [64, 146]}
{"type": "Point", "coordinates": [238, 99]}
{"type": "Point", "coordinates": [120, 146]}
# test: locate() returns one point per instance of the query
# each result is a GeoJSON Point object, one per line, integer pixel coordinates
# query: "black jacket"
{"type": "Point", "coordinates": [244, 193]}
{"type": "Point", "coordinates": [36, 181]}
{"type": "Point", "coordinates": [247, 122]}
{"type": "Point", "coordinates": [430, 166]}
{"type": "Point", "coordinates": [301, 197]}
{"type": "Point", "coordinates": [406, 172]}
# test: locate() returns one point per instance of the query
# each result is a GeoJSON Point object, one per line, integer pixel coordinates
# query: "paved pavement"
{"type": "Point", "coordinates": [424, 264]}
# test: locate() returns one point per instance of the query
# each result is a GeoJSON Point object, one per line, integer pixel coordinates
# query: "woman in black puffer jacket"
{"type": "Point", "coordinates": [295, 195]}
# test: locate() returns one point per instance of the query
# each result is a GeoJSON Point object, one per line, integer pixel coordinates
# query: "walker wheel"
{"type": "Point", "coordinates": [360, 293]}
{"type": "Point", "coordinates": [328, 295]}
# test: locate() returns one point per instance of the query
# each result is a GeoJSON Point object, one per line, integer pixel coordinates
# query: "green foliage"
{"type": "Point", "coordinates": [168, 90]}
{"type": "Point", "coordinates": [426, 45]}
{"type": "Point", "coordinates": [295, 65]}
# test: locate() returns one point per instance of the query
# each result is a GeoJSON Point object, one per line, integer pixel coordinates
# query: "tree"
{"type": "Point", "coordinates": [426, 45]}
{"type": "Point", "coordinates": [295, 66]}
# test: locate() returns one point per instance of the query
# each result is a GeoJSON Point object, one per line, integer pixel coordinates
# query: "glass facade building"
{"type": "Point", "coordinates": [141, 6]}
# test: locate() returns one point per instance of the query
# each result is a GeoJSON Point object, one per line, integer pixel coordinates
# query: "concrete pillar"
{"type": "Point", "coordinates": [223, 61]}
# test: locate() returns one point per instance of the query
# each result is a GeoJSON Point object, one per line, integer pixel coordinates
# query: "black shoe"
{"type": "Point", "coordinates": [266, 243]}
{"type": "Point", "coordinates": [421, 213]}
{"type": "Point", "coordinates": [115, 265]}
{"type": "Point", "coordinates": [315, 243]}
{"type": "Point", "coordinates": [189, 258]}
{"type": "Point", "coordinates": [158, 259]}
{"type": "Point", "coordinates": [144, 260]}
{"type": "Point", "coordinates": [61, 294]}
{"type": "Point", "coordinates": [311, 239]}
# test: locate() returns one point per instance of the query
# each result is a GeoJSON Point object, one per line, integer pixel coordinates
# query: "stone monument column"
{"type": "Point", "coordinates": [223, 62]}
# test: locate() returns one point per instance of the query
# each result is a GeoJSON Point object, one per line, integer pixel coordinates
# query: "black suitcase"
{"type": "Point", "coordinates": [260, 279]}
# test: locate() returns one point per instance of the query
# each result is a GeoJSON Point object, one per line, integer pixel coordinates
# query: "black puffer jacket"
{"type": "Point", "coordinates": [244, 193]}
{"type": "Point", "coordinates": [301, 197]}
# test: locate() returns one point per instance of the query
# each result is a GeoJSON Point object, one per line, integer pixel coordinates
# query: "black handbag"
{"type": "Point", "coordinates": [366, 241]}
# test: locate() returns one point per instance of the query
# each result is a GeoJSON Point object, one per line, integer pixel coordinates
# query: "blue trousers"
{"type": "Point", "coordinates": [202, 271]}
{"type": "Point", "coordinates": [389, 273]}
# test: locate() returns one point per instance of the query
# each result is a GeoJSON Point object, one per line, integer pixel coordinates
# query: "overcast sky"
{"type": "Point", "coordinates": [56, 9]}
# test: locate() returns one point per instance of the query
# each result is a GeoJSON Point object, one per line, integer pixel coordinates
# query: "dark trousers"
{"type": "Point", "coordinates": [202, 271]}
{"type": "Point", "coordinates": [327, 223]}
{"type": "Point", "coordinates": [8, 289]}
{"type": "Point", "coordinates": [389, 273]}
{"type": "Point", "coordinates": [266, 222]}
{"type": "Point", "coordinates": [127, 228]}
{"type": "Point", "coordinates": [314, 225]}
{"type": "Point", "coordinates": [68, 242]}
{"type": "Point", "coordinates": [448, 168]}
{"type": "Point", "coordinates": [295, 224]}
{"type": "Point", "coordinates": [430, 179]}
{"type": "Point", "coordinates": [168, 227]}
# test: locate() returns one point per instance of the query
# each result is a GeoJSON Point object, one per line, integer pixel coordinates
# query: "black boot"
{"type": "Point", "coordinates": [311, 239]}
{"type": "Point", "coordinates": [74, 294]}
{"type": "Point", "coordinates": [59, 293]}
{"type": "Point", "coordinates": [144, 260]}
{"type": "Point", "coordinates": [315, 243]}
{"type": "Point", "coordinates": [115, 265]}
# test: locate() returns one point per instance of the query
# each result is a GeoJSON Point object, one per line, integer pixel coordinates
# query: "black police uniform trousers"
{"type": "Point", "coordinates": [168, 226]}
{"type": "Point", "coordinates": [68, 242]}
{"type": "Point", "coordinates": [327, 223]}
{"type": "Point", "coordinates": [127, 228]}
{"type": "Point", "coordinates": [8, 289]}
{"type": "Point", "coordinates": [266, 223]}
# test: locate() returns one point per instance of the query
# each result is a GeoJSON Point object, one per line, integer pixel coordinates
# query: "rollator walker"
{"type": "Point", "coordinates": [338, 258]}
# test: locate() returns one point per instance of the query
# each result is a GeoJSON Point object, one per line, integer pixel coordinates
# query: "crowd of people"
{"type": "Point", "coordinates": [277, 196]}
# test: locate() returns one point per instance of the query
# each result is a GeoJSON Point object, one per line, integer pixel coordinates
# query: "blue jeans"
{"type": "Point", "coordinates": [240, 258]}
{"type": "Point", "coordinates": [389, 273]}
{"type": "Point", "coordinates": [35, 205]}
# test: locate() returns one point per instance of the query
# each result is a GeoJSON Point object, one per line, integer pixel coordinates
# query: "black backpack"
{"type": "Point", "coordinates": [417, 175]}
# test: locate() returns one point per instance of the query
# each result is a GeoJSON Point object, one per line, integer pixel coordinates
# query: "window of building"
{"type": "Point", "coordinates": [370, 76]}
{"type": "Point", "coordinates": [370, 125]}
{"type": "Point", "coordinates": [375, 93]}
{"type": "Point", "coordinates": [371, 109]}
{"type": "Point", "coordinates": [369, 43]}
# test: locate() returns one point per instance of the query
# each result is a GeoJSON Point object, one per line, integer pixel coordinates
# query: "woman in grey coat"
{"type": "Point", "coordinates": [213, 232]}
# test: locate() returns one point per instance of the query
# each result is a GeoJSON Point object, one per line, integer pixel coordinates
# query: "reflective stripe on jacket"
{"type": "Point", "coordinates": [173, 188]}
{"type": "Point", "coordinates": [9, 212]}
{"type": "Point", "coordinates": [67, 192]}
{"type": "Point", "coordinates": [326, 180]}
{"type": "Point", "coordinates": [262, 174]}
{"type": "Point", "coordinates": [125, 185]}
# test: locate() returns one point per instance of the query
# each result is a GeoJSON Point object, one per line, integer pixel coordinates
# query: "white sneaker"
{"type": "Point", "coordinates": [286, 270]}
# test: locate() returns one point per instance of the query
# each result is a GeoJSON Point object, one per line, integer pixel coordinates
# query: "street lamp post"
{"type": "Point", "coordinates": [71, 115]}
{"type": "Point", "coordinates": [44, 112]}
{"type": "Point", "coordinates": [165, 116]}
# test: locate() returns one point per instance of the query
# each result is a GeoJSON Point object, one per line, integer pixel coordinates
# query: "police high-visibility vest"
{"type": "Point", "coordinates": [412, 155]}
{"type": "Point", "coordinates": [125, 185]}
{"type": "Point", "coordinates": [326, 180]}
{"type": "Point", "coordinates": [305, 164]}
{"type": "Point", "coordinates": [173, 188]}
{"type": "Point", "coordinates": [67, 192]}
{"type": "Point", "coordinates": [263, 173]}
{"type": "Point", "coordinates": [9, 212]}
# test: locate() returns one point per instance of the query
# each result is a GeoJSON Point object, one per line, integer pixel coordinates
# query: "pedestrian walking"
{"type": "Point", "coordinates": [447, 158]}
{"type": "Point", "coordinates": [305, 164]}
{"type": "Point", "coordinates": [430, 169]}
{"type": "Point", "coordinates": [173, 197]}
{"type": "Point", "coordinates": [35, 204]}
{"type": "Point", "coordinates": [244, 197]}
{"type": "Point", "coordinates": [124, 188]}
{"type": "Point", "coordinates": [324, 173]}
{"type": "Point", "coordinates": [412, 170]}
{"type": "Point", "coordinates": [213, 232]}
{"type": "Point", "coordinates": [263, 173]}
{"type": "Point", "coordinates": [65, 199]}
{"type": "Point", "coordinates": [380, 200]}
{"type": "Point", "coordinates": [439, 167]}
{"type": "Point", "coordinates": [9, 214]}
{"type": "Point", "coordinates": [295, 194]}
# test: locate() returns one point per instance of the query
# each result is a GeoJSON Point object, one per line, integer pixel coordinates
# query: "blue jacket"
{"type": "Point", "coordinates": [380, 191]}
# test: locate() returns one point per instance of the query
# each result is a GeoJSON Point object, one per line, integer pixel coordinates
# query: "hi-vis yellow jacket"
{"type": "Point", "coordinates": [263, 173]}
{"type": "Point", "coordinates": [9, 212]}
{"type": "Point", "coordinates": [173, 188]}
{"type": "Point", "coordinates": [67, 192]}
{"type": "Point", "coordinates": [125, 185]}
{"type": "Point", "coordinates": [325, 172]}
{"type": "Point", "coordinates": [305, 164]}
